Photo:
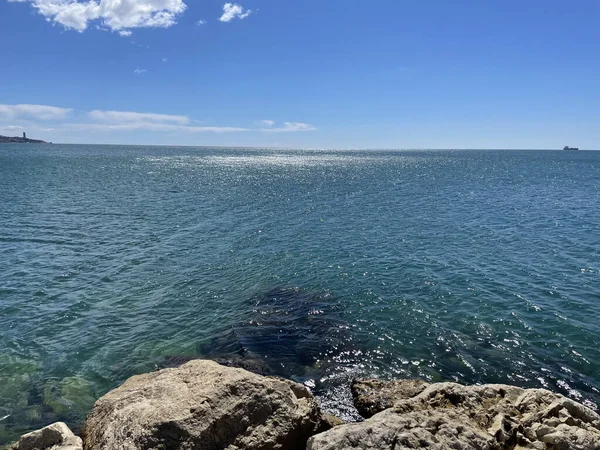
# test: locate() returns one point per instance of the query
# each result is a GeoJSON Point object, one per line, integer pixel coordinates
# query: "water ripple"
{"type": "Point", "coordinates": [442, 265]}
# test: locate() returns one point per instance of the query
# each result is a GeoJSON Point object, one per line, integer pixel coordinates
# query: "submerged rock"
{"type": "Point", "coordinates": [70, 398]}
{"type": "Point", "coordinates": [449, 415]}
{"type": "Point", "coordinates": [203, 405]}
{"type": "Point", "coordinates": [288, 329]}
{"type": "Point", "coordinates": [53, 437]}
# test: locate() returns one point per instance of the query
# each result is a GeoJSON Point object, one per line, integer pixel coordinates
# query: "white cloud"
{"type": "Point", "coordinates": [125, 33]}
{"type": "Point", "coordinates": [101, 120]}
{"type": "Point", "coordinates": [201, 22]}
{"type": "Point", "coordinates": [151, 126]}
{"type": "Point", "coordinates": [232, 11]}
{"type": "Point", "coordinates": [291, 126]}
{"type": "Point", "coordinates": [120, 117]}
{"type": "Point", "coordinates": [139, 71]}
{"type": "Point", "coordinates": [39, 112]}
{"type": "Point", "coordinates": [122, 121]}
{"type": "Point", "coordinates": [116, 15]}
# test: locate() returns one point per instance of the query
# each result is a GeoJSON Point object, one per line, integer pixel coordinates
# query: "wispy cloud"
{"type": "Point", "coordinates": [201, 22]}
{"type": "Point", "coordinates": [30, 117]}
{"type": "Point", "coordinates": [234, 11]}
{"type": "Point", "coordinates": [151, 126]}
{"type": "Point", "coordinates": [290, 126]}
{"type": "Point", "coordinates": [39, 112]}
{"type": "Point", "coordinates": [165, 59]}
{"type": "Point", "coordinates": [139, 71]}
{"type": "Point", "coordinates": [114, 15]}
{"type": "Point", "coordinates": [135, 117]}
{"type": "Point", "coordinates": [130, 120]}
{"type": "Point", "coordinates": [125, 33]}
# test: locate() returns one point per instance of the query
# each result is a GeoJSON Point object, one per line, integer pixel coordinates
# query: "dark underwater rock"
{"type": "Point", "coordinates": [288, 328]}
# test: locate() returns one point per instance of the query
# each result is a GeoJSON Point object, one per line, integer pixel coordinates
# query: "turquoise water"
{"type": "Point", "coordinates": [474, 266]}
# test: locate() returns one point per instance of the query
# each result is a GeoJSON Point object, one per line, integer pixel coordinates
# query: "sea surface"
{"type": "Point", "coordinates": [469, 266]}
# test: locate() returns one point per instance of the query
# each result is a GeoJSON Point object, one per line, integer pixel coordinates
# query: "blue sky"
{"type": "Point", "coordinates": [311, 73]}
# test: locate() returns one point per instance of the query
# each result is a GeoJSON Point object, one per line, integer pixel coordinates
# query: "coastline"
{"type": "Point", "coordinates": [20, 140]}
{"type": "Point", "coordinates": [203, 404]}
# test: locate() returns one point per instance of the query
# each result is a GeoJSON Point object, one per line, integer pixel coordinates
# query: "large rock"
{"type": "Point", "coordinates": [449, 415]}
{"type": "Point", "coordinates": [203, 405]}
{"type": "Point", "coordinates": [53, 437]}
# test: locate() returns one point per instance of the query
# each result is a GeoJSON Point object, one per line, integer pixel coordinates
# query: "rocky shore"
{"type": "Point", "coordinates": [206, 405]}
{"type": "Point", "coordinates": [19, 140]}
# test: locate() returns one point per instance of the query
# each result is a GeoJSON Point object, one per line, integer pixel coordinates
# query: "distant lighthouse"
{"type": "Point", "coordinates": [24, 135]}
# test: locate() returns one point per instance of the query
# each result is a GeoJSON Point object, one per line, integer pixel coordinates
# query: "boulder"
{"type": "Point", "coordinates": [203, 405]}
{"type": "Point", "coordinates": [53, 437]}
{"type": "Point", "coordinates": [449, 415]}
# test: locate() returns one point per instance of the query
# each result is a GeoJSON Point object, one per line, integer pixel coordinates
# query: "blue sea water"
{"type": "Point", "coordinates": [472, 266]}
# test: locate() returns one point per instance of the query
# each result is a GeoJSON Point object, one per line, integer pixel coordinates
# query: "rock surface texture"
{"type": "Point", "coordinates": [452, 416]}
{"type": "Point", "coordinates": [373, 396]}
{"type": "Point", "coordinates": [203, 405]}
{"type": "Point", "coordinates": [53, 437]}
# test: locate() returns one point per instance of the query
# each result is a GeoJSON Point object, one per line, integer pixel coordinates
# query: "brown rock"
{"type": "Point", "coordinates": [203, 405]}
{"type": "Point", "coordinates": [53, 437]}
{"type": "Point", "coordinates": [493, 417]}
{"type": "Point", "coordinates": [329, 421]}
{"type": "Point", "coordinates": [373, 396]}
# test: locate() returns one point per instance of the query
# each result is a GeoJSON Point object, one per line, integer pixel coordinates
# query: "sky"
{"type": "Point", "coordinates": [303, 73]}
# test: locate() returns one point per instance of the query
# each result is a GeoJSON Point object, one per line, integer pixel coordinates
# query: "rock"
{"type": "Point", "coordinates": [203, 405]}
{"type": "Point", "coordinates": [250, 363]}
{"type": "Point", "coordinates": [388, 430]}
{"type": "Point", "coordinates": [373, 396]}
{"type": "Point", "coordinates": [69, 398]}
{"type": "Point", "coordinates": [53, 437]}
{"type": "Point", "coordinates": [329, 421]}
{"type": "Point", "coordinates": [449, 415]}
{"type": "Point", "coordinates": [290, 328]}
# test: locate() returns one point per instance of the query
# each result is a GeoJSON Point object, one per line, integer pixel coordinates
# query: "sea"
{"type": "Point", "coordinates": [473, 266]}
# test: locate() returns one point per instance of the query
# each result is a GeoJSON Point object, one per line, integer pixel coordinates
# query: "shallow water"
{"type": "Point", "coordinates": [474, 266]}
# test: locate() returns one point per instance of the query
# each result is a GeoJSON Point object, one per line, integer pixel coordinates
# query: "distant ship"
{"type": "Point", "coordinates": [566, 147]}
